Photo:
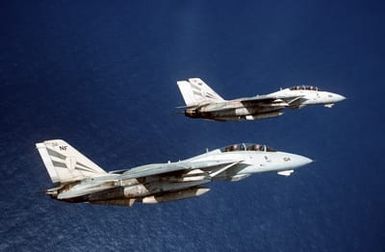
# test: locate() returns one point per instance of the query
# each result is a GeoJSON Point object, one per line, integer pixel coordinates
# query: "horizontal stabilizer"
{"type": "Point", "coordinates": [86, 191]}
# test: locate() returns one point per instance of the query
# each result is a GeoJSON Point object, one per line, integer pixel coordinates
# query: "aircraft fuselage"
{"type": "Point", "coordinates": [203, 102]}
{"type": "Point", "coordinates": [232, 163]}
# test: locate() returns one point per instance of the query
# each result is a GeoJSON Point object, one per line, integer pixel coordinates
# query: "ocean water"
{"type": "Point", "coordinates": [102, 75]}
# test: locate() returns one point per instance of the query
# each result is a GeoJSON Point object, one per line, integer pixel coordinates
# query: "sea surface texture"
{"type": "Point", "coordinates": [102, 75]}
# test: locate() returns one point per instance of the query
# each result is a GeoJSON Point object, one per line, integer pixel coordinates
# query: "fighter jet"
{"type": "Point", "coordinates": [78, 179]}
{"type": "Point", "coordinates": [203, 102]}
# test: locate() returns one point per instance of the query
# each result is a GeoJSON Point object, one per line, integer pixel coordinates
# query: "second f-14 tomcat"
{"type": "Point", "coordinates": [203, 102]}
{"type": "Point", "coordinates": [78, 179]}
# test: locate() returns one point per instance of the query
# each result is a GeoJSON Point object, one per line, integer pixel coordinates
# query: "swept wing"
{"type": "Point", "coordinates": [268, 98]}
{"type": "Point", "coordinates": [159, 169]}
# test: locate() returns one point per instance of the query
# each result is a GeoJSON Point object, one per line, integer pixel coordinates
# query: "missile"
{"type": "Point", "coordinates": [263, 116]}
{"type": "Point", "coordinates": [188, 193]}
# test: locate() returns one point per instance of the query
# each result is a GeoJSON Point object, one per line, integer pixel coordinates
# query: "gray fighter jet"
{"type": "Point", "coordinates": [203, 102]}
{"type": "Point", "coordinates": [78, 179]}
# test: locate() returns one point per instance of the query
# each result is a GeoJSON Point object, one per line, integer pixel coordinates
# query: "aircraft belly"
{"type": "Point", "coordinates": [156, 198]}
{"type": "Point", "coordinates": [131, 188]}
{"type": "Point", "coordinates": [239, 111]}
{"type": "Point", "coordinates": [83, 191]}
{"type": "Point", "coordinates": [143, 190]}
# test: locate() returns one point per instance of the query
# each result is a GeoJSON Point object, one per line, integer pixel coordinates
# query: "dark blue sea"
{"type": "Point", "coordinates": [102, 75]}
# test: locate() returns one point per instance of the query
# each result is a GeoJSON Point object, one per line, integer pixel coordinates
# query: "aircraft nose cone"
{"type": "Point", "coordinates": [339, 98]}
{"type": "Point", "coordinates": [306, 160]}
{"type": "Point", "coordinates": [302, 160]}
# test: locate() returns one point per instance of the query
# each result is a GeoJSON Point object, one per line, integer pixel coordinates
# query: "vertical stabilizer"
{"type": "Point", "coordinates": [64, 163]}
{"type": "Point", "coordinates": [195, 91]}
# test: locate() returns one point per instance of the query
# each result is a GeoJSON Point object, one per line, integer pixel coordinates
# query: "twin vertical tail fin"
{"type": "Point", "coordinates": [65, 164]}
{"type": "Point", "coordinates": [195, 92]}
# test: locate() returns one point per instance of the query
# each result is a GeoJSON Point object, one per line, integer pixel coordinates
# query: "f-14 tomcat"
{"type": "Point", "coordinates": [203, 102]}
{"type": "Point", "coordinates": [78, 179]}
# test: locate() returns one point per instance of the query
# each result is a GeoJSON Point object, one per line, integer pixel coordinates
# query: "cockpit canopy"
{"type": "Point", "coordinates": [247, 147]}
{"type": "Point", "coordinates": [305, 87]}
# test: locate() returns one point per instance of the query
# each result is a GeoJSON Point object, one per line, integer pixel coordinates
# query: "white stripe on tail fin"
{"type": "Point", "coordinates": [64, 163]}
{"type": "Point", "coordinates": [195, 91]}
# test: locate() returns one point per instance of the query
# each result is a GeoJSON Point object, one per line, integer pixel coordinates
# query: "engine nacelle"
{"type": "Point", "coordinates": [142, 190]}
{"type": "Point", "coordinates": [135, 191]}
{"type": "Point", "coordinates": [138, 190]}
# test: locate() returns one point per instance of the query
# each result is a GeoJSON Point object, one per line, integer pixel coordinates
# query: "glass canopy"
{"type": "Point", "coordinates": [303, 87]}
{"type": "Point", "coordinates": [246, 147]}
